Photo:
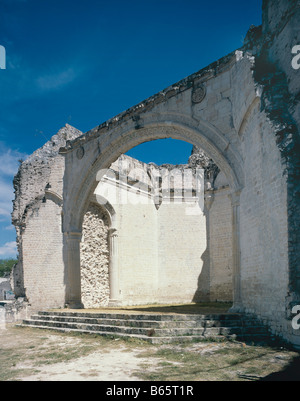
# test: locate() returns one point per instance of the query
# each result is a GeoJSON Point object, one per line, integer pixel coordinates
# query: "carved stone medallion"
{"type": "Point", "coordinates": [80, 153]}
{"type": "Point", "coordinates": [198, 93]}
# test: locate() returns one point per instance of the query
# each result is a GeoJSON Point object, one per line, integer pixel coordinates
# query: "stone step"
{"type": "Point", "coordinates": [152, 340]}
{"type": "Point", "coordinates": [158, 340]}
{"type": "Point", "coordinates": [153, 328]}
{"type": "Point", "coordinates": [154, 317]}
{"type": "Point", "coordinates": [149, 323]}
{"type": "Point", "coordinates": [158, 332]}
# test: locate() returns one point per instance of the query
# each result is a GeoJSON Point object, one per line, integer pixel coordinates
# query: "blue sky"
{"type": "Point", "coordinates": [83, 62]}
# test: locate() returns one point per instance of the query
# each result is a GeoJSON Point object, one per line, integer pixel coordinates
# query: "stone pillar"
{"type": "Point", "coordinates": [209, 197]}
{"type": "Point", "coordinates": [236, 252]}
{"type": "Point", "coordinates": [73, 296]}
{"type": "Point", "coordinates": [208, 201]}
{"type": "Point", "coordinates": [113, 268]}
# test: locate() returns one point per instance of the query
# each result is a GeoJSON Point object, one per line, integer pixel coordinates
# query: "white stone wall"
{"type": "Point", "coordinates": [220, 246]}
{"type": "Point", "coordinates": [43, 262]}
{"type": "Point", "coordinates": [138, 261]}
{"type": "Point", "coordinates": [282, 105]}
{"type": "Point", "coordinates": [263, 230]}
{"type": "Point", "coordinates": [181, 245]}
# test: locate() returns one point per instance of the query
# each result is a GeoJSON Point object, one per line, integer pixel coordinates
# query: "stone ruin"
{"type": "Point", "coordinates": [80, 246]}
{"type": "Point", "coordinates": [152, 209]}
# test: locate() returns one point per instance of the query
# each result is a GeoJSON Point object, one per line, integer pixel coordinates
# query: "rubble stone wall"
{"type": "Point", "coordinates": [94, 255]}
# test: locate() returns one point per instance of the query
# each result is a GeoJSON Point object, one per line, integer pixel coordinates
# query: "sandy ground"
{"type": "Point", "coordinates": [116, 365]}
{"type": "Point", "coordinates": [34, 356]}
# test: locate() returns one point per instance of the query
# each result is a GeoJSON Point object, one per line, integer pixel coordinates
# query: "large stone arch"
{"type": "Point", "coordinates": [96, 150]}
{"type": "Point", "coordinates": [101, 150]}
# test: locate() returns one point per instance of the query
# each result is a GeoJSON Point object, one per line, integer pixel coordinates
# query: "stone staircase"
{"type": "Point", "coordinates": [154, 328]}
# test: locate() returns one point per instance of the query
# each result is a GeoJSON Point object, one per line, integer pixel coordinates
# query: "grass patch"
{"type": "Point", "coordinates": [212, 362]}
{"type": "Point", "coordinates": [9, 359]}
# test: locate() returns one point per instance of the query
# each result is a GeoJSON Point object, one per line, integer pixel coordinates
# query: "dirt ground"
{"type": "Point", "coordinates": [114, 365]}
{"type": "Point", "coordinates": [28, 354]}
{"type": "Point", "coordinates": [41, 355]}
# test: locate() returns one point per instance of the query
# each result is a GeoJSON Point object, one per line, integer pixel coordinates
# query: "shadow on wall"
{"type": "Point", "coordinates": [216, 261]}
{"type": "Point", "coordinates": [215, 282]}
{"type": "Point", "coordinates": [203, 289]}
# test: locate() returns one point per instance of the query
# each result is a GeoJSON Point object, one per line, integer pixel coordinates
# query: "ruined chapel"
{"type": "Point", "coordinates": [98, 228]}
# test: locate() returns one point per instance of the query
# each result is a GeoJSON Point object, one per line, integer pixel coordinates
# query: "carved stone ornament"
{"type": "Point", "coordinates": [198, 93]}
{"type": "Point", "coordinates": [80, 153]}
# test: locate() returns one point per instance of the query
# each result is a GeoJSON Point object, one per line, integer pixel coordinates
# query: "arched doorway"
{"type": "Point", "coordinates": [102, 148]}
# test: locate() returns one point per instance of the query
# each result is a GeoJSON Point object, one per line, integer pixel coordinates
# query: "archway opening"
{"type": "Point", "coordinates": [174, 229]}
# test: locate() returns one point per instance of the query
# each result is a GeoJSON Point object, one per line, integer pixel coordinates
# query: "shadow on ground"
{"type": "Point", "coordinates": [289, 373]}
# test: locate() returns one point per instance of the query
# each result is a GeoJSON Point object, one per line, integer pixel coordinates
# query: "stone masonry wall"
{"type": "Point", "coordinates": [43, 263]}
{"type": "Point", "coordinates": [280, 86]}
{"type": "Point", "coordinates": [263, 230]}
{"type": "Point", "coordinates": [220, 246]}
{"type": "Point", "coordinates": [182, 241]}
{"type": "Point", "coordinates": [37, 217]}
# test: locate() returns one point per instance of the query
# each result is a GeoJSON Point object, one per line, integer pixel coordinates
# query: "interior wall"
{"type": "Point", "coordinates": [181, 245]}
{"type": "Point", "coordinates": [162, 251]}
